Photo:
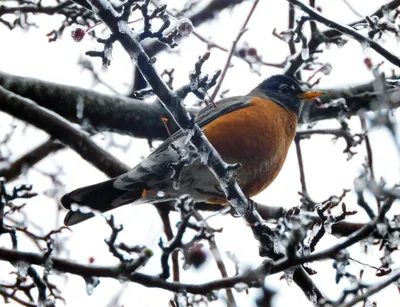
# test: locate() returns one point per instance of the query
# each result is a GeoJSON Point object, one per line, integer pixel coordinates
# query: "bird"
{"type": "Point", "coordinates": [254, 130]}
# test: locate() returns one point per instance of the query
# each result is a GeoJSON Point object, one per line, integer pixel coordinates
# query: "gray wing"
{"type": "Point", "coordinates": [224, 106]}
{"type": "Point", "coordinates": [208, 114]}
{"type": "Point", "coordinates": [156, 171]}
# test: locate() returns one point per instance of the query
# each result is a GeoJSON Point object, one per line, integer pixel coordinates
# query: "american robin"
{"type": "Point", "coordinates": [254, 130]}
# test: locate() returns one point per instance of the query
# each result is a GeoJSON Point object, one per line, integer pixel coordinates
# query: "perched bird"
{"type": "Point", "coordinates": [255, 130]}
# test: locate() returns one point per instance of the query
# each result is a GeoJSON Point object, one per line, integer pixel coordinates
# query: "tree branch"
{"type": "Point", "coordinates": [315, 15]}
{"type": "Point", "coordinates": [232, 51]}
{"type": "Point", "coordinates": [99, 111]}
{"type": "Point", "coordinates": [356, 98]}
{"type": "Point", "coordinates": [395, 276]}
{"type": "Point", "coordinates": [49, 10]}
{"type": "Point", "coordinates": [327, 35]}
{"type": "Point", "coordinates": [28, 111]}
{"type": "Point", "coordinates": [355, 237]}
{"type": "Point", "coordinates": [14, 169]}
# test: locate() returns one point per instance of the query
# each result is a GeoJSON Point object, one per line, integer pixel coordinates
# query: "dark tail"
{"type": "Point", "coordinates": [102, 197]}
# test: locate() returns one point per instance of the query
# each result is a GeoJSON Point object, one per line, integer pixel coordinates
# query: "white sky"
{"type": "Point", "coordinates": [328, 172]}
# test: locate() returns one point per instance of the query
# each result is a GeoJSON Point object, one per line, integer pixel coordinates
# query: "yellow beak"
{"type": "Point", "coordinates": [310, 95]}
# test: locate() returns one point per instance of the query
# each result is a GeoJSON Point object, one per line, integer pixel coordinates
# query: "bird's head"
{"type": "Point", "coordinates": [286, 92]}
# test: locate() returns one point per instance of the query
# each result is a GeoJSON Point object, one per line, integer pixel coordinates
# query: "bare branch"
{"type": "Point", "coordinates": [15, 168]}
{"type": "Point", "coordinates": [373, 289]}
{"type": "Point", "coordinates": [25, 109]}
{"type": "Point", "coordinates": [242, 30]}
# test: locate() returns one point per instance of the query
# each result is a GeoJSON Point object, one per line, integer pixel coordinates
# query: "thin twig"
{"type": "Point", "coordinates": [212, 44]}
{"type": "Point", "coordinates": [301, 165]}
{"type": "Point", "coordinates": [232, 51]}
{"type": "Point", "coordinates": [368, 146]}
{"type": "Point", "coordinates": [315, 15]}
{"type": "Point", "coordinates": [218, 259]}
{"type": "Point", "coordinates": [352, 9]}
{"type": "Point", "coordinates": [164, 214]}
{"type": "Point", "coordinates": [292, 15]}
{"type": "Point", "coordinates": [6, 295]}
{"type": "Point", "coordinates": [355, 237]}
{"type": "Point", "coordinates": [370, 160]}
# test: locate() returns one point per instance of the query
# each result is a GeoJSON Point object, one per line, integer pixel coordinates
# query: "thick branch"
{"type": "Point", "coordinates": [102, 112]}
{"type": "Point", "coordinates": [28, 111]}
{"type": "Point", "coordinates": [139, 119]}
{"type": "Point", "coordinates": [116, 272]}
{"type": "Point", "coordinates": [249, 278]}
{"type": "Point", "coordinates": [30, 8]}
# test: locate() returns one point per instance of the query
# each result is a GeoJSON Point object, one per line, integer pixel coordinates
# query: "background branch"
{"type": "Point", "coordinates": [59, 128]}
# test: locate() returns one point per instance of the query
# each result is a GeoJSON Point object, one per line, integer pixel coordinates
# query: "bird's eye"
{"type": "Point", "coordinates": [284, 89]}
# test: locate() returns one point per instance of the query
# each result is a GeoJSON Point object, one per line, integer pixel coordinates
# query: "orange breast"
{"type": "Point", "coordinates": [258, 137]}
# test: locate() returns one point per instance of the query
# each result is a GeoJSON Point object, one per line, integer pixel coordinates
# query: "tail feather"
{"type": "Point", "coordinates": [102, 197]}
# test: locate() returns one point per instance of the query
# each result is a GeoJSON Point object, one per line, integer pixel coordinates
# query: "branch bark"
{"type": "Point", "coordinates": [100, 112]}
{"type": "Point", "coordinates": [143, 120]}
{"type": "Point", "coordinates": [28, 111]}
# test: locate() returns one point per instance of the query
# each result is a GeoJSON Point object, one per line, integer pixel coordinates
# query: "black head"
{"type": "Point", "coordinates": [284, 91]}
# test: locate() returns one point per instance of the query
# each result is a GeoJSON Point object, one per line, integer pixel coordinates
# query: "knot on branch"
{"type": "Point", "coordinates": [143, 93]}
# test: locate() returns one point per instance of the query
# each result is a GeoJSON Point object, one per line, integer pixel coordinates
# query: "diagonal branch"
{"type": "Point", "coordinates": [28, 111]}
{"type": "Point", "coordinates": [349, 31]}
{"type": "Point", "coordinates": [172, 101]}
{"type": "Point", "coordinates": [395, 276]}
{"type": "Point", "coordinates": [232, 51]}
{"type": "Point", "coordinates": [12, 171]}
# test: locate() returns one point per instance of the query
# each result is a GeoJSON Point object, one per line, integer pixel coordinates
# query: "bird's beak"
{"type": "Point", "coordinates": [310, 95]}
